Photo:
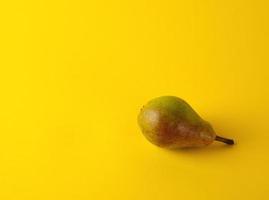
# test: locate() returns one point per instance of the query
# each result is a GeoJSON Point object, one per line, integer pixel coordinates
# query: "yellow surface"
{"type": "Point", "coordinates": [74, 74]}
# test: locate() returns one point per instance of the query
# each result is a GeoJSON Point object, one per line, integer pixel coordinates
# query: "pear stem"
{"type": "Point", "coordinates": [224, 140]}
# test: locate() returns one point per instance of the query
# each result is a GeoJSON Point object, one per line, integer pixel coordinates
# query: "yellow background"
{"type": "Point", "coordinates": [74, 74]}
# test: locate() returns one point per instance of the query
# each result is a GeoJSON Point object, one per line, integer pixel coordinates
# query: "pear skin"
{"type": "Point", "coordinates": [170, 122]}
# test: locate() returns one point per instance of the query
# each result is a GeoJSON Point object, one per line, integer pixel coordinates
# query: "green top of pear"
{"type": "Point", "coordinates": [176, 108]}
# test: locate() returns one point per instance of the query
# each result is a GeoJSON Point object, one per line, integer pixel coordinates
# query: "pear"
{"type": "Point", "coordinates": [170, 122]}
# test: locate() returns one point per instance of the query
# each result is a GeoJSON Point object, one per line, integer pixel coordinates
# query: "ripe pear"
{"type": "Point", "coordinates": [170, 122]}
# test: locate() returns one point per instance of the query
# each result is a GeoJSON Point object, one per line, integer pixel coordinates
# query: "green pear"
{"type": "Point", "coordinates": [170, 122]}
